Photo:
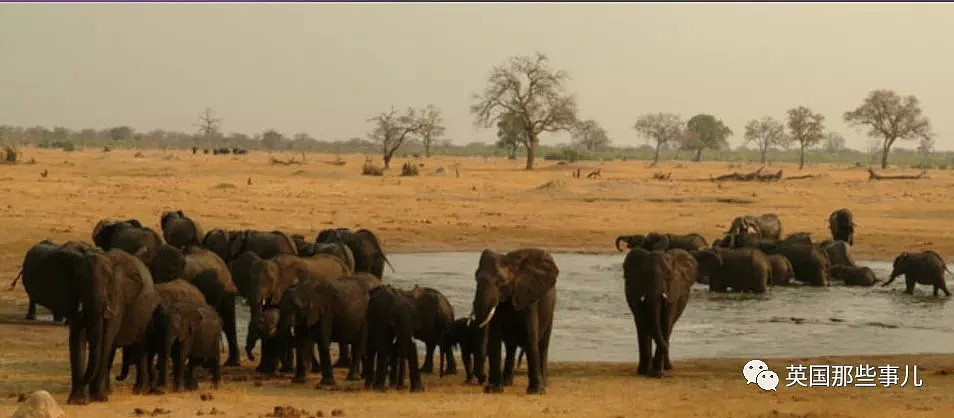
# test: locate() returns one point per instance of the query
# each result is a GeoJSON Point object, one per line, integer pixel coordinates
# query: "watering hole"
{"type": "Point", "coordinates": [593, 321]}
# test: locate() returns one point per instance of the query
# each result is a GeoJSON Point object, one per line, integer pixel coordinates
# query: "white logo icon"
{"type": "Point", "coordinates": [752, 369]}
{"type": "Point", "coordinates": [767, 380]}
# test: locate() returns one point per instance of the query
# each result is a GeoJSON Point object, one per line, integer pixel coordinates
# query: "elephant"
{"type": "Point", "coordinates": [842, 226]}
{"type": "Point", "coordinates": [368, 255]}
{"type": "Point", "coordinates": [839, 252]}
{"type": "Point", "coordinates": [741, 269]}
{"type": "Point", "coordinates": [926, 267]}
{"type": "Point", "coordinates": [129, 235]}
{"type": "Point", "coordinates": [467, 336]}
{"type": "Point", "coordinates": [324, 311]}
{"type": "Point", "coordinates": [392, 322]}
{"type": "Point", "coordinates": [657, 241]}
{"type": "Point", "coordinates": [436, 317]}
{"type": "Point", "coordinates": [799, 238]}
{"type": "Point", "coordinates": [810, 262]}
{"type": "Point", "coordinates": [206, 271]}
{"type": "Point", "coordinates": [230, 244]}
{"type": "Point", "coordinates": [108, 298]}
{"type": "Point", "coordinates": [515, 300]}
{"type": "Point", "coordinates": [303, 247]}
{"type": "Point", "coordinates": [762, 226]}
{"type": "Point", "coordinates": [782, 270]}
{"type": "Point", "coordinates": [853, 275]}
{"type": "Point", "coordinates": [196, 329]}
{"type": "Point", "coordinates": [179, 230]}
{"type": "Point", "coordinates": [274, 347]}
{"type": "Point", "coordinates": [42, 282]}
{"type": "Point", "coordinates": [657, 292]}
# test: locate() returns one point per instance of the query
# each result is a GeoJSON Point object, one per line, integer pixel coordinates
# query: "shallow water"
{"type": "Point", "coordinates": [593, 322]}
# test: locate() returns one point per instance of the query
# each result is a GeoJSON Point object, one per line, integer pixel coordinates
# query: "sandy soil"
{"type": "Point", "coordinates": [493, 203]}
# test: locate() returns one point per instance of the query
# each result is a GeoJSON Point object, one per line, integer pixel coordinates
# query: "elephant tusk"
{"type": "Point", "coordinates": [642, 298]}
{"type": "Point", "coordinates": [489, 317]}
{"type": "Point", "coordinates": [665, 296]}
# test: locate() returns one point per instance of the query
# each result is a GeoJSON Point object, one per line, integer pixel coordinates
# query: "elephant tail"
{"type": "Point", "coordinates": [13, 284]}
{"type": "Point", "coordinates": [618, 239]}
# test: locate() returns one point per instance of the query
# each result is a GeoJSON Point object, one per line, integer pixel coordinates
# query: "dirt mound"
{"type": "Point", "coordinates": [552, 186]}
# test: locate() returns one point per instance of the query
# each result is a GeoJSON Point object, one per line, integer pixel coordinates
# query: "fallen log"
{"type": "Point", "coordinates": [804, 177]}
{"type": "Point", "coordinates": [660, 176]}
{"type": "Point", "coordinates": [875, 176]}
{"type": "Point", "coordinates": [753, 176]}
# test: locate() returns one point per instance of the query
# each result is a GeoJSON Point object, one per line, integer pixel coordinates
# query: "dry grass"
{"type": "Point", "coordinates": [493, 204]}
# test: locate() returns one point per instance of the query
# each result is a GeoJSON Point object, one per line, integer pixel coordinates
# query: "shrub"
{"type": "Point", "coordinates": [10, 155]}
{"type": "Point", "coordinates": [369, 169]}
{"type": "Point", "coordinates": [409, 169]}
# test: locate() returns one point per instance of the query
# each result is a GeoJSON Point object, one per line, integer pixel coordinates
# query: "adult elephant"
{"type": "Point", "coordinates": [324, 311]}
{"type": "Point", "coordinates": [436, 317]}
{"type": "Point", "coordinates": [270, 279]}
{"type": "Point", "coordinates": [741, 269]}
{"type": "Point", "coordinates": [228, 245]}
{"type": "Point", "coordinates": [41, 282]}
{"type": "Point", "coordinates": [128, 235]}
{"type": "Point", "coordinates": [657, 292]}
{"type": "Point", "coordinates": [810, 262]}
{"type": "Point", "coordinates": [662, 242]}
{"type": "Point", "coordinates": [304, 248]}
{"type": "Point", "coordinates": [839, 252]}
{"type": "Point", "coordinates": [515, 299]}
{"type": "Point", "coordinates": [926, 267]}
{"type": "Point", "coordinates": [762, 226]}
{"type": "Point", "coordinates": [206, 271]}
{"type": "Point", "coordinates": [841, 223]}
{"type": "Point", "coordinates": [179, 230]}
{"type": "Point", "coordinates": [365, 247]}
{"type": "Point", "coordinates": [110, 297]}
{"type": "Point", "coordinates": [853, 275]}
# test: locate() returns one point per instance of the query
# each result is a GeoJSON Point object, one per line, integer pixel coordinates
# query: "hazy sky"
{"type": "Point", "coordinates": [326, 68]}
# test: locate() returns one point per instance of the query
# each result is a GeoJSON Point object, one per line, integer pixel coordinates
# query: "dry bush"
{"type": "Point", "coordinates": [409, 169]}
{"type": "Point", "coordinates": [369, 169]}
{"type": "Point", "coordinates": [10, 155]}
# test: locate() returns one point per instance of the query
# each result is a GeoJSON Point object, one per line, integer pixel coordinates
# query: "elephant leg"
{"type": "Point", "coordinates": [302, 359]}
{"type": "Point", "coordinates": [509, 361]}
{"type": "Point", "coordinates": [667, 364]}
{"type": "Point", "coordinates": [909, 285]}
{"type": "Point", "coordinates": [643, 339]}
{"type": "Point", "coordinates": [165, 351]}
{"type": "Point", "coordinates": [216, 374]}
{"type": "Point", "coordinates": [447, 350]}
{"type": "Point", "coordinates": [367, 369]}
{"type": "Point", "coordinates": [191, 383]}
{"type": "Point", "coordinates": [414, 374]}
{"type": "Point", "coordinates": [401, 354]}
{"type": "Point", "coordinates": [31, 311]}
{"type": "Point", "coordinates": [79, 392]}
{"type": "Point", "coordinates": [466, 357]}
{"type": "Point", "coordinates": [324, 353]}
{"type": "Point", "coordinates": [495, 383]}
{"type": "Point", "coordinates": [178, 367]}
{"type": "Point", "coordinates": [393, 360]}
{"type": "Point", "coordinates": [315, 364]}
{"type": "Point", "coordinates": [228, 327]}
{"type": "Point", "coordinates": [534, 376]}
{"type": "Point", "coordinates": [545, 356]}
{"type": "Point", "coordinates": [358, 349]}
{"type": "Point", "coordinates": [659, 358]}
{"type": "Point", "coordinates": [381, 369]}
{"type": "Point", "coordinates": [344, 356]}
{"type": "Point", "coordinates": [428, 366]}
{"type": "Point", "coordinates": [124, 369]}
{"type": "Point", "coordinates": [142, 370]}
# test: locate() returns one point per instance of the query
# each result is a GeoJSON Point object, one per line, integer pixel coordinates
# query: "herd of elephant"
{"type": "Point", "coordinates": [752, 256]}
{"type": "Point", "coordinates": [167, 297]}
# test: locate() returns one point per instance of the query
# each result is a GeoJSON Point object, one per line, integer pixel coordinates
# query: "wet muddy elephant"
{"type": "Point", "coordinates": [739, 269]}
{"type": "Point", "coordinates": [657, 291]}
{"type": "Point", "coordinates": [926, 267]}
{"type": "Point", "coordinates": [839, 252]}
{"type": "Point", "coordinates": [515, 299]}
{"type": "Point", "coordinates": [853, 275]}
{"type": "Point", "coordinates": [657, 241]}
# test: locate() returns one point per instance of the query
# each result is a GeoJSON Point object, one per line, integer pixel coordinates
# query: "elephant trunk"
{"type": "Point", "coordinates": [250, 340]}
{"type": "Point", "coordinates": [621, 238]}
{"type": "Point", "coordinates": [658, 322]}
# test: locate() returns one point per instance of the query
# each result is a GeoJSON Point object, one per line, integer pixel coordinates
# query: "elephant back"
{"type": "Point", "coordinates": [202, 262]}
{"type": "Point", "coordinates": [180, 230]}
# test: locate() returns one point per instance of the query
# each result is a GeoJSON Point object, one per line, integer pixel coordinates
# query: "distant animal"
{"type": "Point", "coordinates": [926, 267]}
{"type": "Point", "coordinates": [195, 150]}
{"type": "Point", "coordinates": [205, 151]}
{"type": "Point", "coordinates": [842, 226]}
{"type": "Point", "coordinates": [44, 173]}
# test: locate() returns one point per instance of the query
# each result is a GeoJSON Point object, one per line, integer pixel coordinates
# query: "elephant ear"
{"type": "Point", "coordinates": [165, 217]}
{"type": "Point", "coordinates": [535, 274]}
{"type": "Point", "coordinates": [237, 242]}
{"type": "Point", "coordinates": [197, 228]}
{"type": "Point", "coordinates": [102, 233]}
{"type": "Point", "coordinates": [662, 244]}
{"type": "Point", "coordinates": [133, 222]}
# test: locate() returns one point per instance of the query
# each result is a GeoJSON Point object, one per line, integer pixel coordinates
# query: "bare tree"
{"type": "Point", "coordinates": [661, 128]}
{"type": "Point", "coordinates": [529, 89]}
{"type": "Point", "coordinates": [431, 128]}
{"type": "Point", "coordinates": [891, 117]}
{"type": "Point", "coordinates": [208, 125]}
{"type": "Point", "coordinates": [766, 133]}
{"type": "Point", "coordinates": [392, 129]}
{"type": "Point", "coordinates": [590, 135]}
{"type": "Point", "coordinates": [806, 128]}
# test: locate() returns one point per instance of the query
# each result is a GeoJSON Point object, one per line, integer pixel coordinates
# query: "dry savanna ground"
{"type": "Point", "coordinates": [491, 203]}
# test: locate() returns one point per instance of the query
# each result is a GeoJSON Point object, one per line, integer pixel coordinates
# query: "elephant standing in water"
{"type": "Point", "coordinates": [515, 299]}
{"type": "Point", "coordinates": [742, 269]}
{"type": "Point", "coordinates": [839, 252]}
{"type": "Point", "coordinates": [179, 230]}
{"type": "Point", "coordinates": [926, 267]}
{"type": "Point", "coordinates": [853, 276]}
{"type": "Point", "coordinates": [763, 226]}
{"type": "Point", "coordinates": [842, 226]}
{"type": "Point", "coordinates": [657, 291]}
{"type": "Point", "coordinates": [662, 242]}
{"type": "Point", "coordinates": [782, 270]}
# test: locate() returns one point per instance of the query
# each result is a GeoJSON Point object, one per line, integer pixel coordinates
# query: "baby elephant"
{"type": "Point", "coordinates": [926, 267]}
{"type": "Point", "coordinates": [782, 270]}
{"type": "Point", "coordinates": [853, 275]}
